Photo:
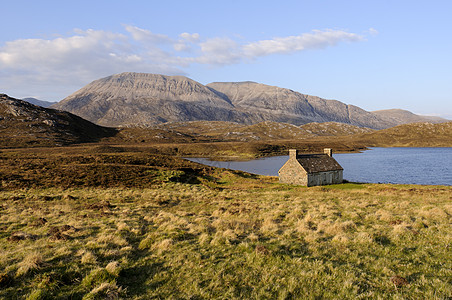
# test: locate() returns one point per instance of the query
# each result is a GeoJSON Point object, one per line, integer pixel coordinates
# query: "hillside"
{"type": "Point", "coordinates": [144, 99]}
{"type": "Point", "coordinates": [334, 129]}
{"type": "Point", "coordinates": [409, 135]}
{"type": "Point", "coordinates": [228, 131]}
{"type": "Point", "coordinates": [23, 124]}
{"type": "Point", "coordinates": [287, 106]}
{"type": "Point", "coordinates": [263, 131]}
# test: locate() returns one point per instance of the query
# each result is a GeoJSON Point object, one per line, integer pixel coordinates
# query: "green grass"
{"type": "Point", "coordinates": [228, 236]}
{"type": "Point", "coordinates": [345, 186]}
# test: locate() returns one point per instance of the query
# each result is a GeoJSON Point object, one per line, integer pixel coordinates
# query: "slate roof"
{"type": "Point", "coordinates": [314, 163]}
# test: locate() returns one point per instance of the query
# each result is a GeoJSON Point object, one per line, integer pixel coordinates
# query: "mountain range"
{"type": "Point", "coordinates": [38, 102]}
{"type": "Point", "coordinates": [23, 124]}
{"type": "Point", "coordinates": [131, 99]}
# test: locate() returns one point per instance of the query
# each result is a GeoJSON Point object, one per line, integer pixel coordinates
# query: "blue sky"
{"type": "Point", "coordinates": [373, 54]}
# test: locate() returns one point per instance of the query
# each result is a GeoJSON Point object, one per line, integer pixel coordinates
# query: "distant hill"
{"type": "Point", "coordinates": [400, 116]}
{"type": "Point", "coordinates": [409, 135]}
{"type": "Point", "coordinates": [38, 102]}
{"type": "Point", "coordinates": [334, 129]}
{"type": "Point", "coordinates": [144, 99]}
{"type": "Point", "coordinates": [228, 131]}
{"type": "Point", "coordinates": [23, 124]}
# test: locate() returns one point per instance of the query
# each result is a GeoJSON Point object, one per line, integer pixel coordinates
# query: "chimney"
{"type": "Point", "coordinates": [293, 153]}
{"type": "Point", "coordinates": [328, 151]}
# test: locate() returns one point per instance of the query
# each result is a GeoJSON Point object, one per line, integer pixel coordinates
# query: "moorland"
{"type": "Point", "coordinates": [104, 221]}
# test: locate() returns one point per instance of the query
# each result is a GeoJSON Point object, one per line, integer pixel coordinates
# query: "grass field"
{"type": "Point", "coordinates": [228, 235]}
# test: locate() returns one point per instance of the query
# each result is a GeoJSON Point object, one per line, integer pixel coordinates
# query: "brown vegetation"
{"type": "Point", "coordinates": [90, 166]}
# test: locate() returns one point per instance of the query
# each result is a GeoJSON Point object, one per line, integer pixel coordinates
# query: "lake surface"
{"type": "Point", "coordinates": [431, 166]}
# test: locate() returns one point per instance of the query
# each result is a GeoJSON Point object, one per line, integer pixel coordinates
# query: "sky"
{"type": "Point", "coordinates": [374, 54]}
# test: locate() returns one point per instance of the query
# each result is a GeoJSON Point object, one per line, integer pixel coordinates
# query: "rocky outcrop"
{"type": "Point", "coordinates": [24, 124]}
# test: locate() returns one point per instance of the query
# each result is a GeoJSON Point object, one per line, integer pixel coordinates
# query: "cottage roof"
{"type": "Point", "coordinates": [314, 163]}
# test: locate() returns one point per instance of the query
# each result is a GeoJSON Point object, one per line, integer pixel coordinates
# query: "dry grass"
{"type": "Point", "coordinates": [32, 261]}
{"type": "Point", "coordinates": [236, 237]}
{"type": "Point", "coordinates": [88, 258]}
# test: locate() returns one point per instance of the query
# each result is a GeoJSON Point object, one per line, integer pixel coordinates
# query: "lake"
{"type": "Point", "coordinates": [430, 166]}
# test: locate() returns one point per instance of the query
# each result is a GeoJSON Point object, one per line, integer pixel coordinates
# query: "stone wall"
{"type": "Point", "coordinates": [292, 173]}
{"type": "Point", "coordinates": [324, 178]}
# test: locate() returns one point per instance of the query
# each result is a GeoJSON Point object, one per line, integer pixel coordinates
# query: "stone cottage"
{"type": "Point", "coordinates": [311, 169]}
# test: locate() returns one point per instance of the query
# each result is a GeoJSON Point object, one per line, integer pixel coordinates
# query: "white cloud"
{"type": "Point", "coordinates": [284, 45]}
{"type": "Point", "coordinates": [219, 51]}
{"type": "Point", "coordinates": [32, 64]}
{"type": "Point", "coordinates": [186, 41]}
{"type": "Point", "coordinates": [140, 34]}
{"type": "Point", "coordinates": [39, 54]}
{"type": "Point", "coordinates": [191, 37]}
{"type": "Point", "coordinates": [181, 46]}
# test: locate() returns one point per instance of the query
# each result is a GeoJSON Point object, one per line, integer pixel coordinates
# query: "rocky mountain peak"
{"type": "Point", "coordinates": [151, 86]}
{"type": "Point", "coordinates": [141, 98]}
